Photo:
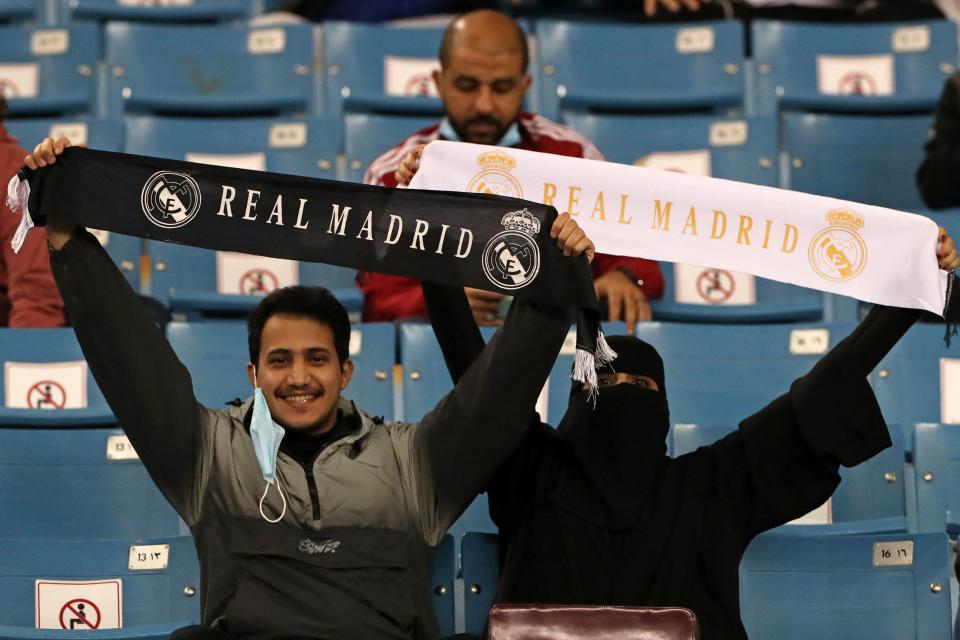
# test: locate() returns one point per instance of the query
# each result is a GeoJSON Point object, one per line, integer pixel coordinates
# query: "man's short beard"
{"type": "Point", "coordinates": [462, 127]}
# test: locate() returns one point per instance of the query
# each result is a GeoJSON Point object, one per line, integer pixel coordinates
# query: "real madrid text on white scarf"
{"type": "Point", "coordinates": [866, 252]}
{"type": "Point", "coordinates": [492, 243]}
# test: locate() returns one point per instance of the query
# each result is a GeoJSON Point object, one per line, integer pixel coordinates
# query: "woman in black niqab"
{"type": "Point", "coordinates": [595, 513]}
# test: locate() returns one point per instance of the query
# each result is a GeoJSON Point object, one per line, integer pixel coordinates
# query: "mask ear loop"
{"type": "Point", "coordinates": [283, 498]}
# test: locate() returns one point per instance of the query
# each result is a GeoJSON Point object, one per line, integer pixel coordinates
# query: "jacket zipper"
{"type": "Point", "coordinates": [314, 496]}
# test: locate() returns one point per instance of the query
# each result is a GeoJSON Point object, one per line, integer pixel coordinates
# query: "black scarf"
{"type": "Point", "coordinates": [488, 242]}
{"type": "Point", "coordinates": [619, 444]}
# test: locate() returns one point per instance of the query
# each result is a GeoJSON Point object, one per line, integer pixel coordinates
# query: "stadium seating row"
{"type": "Point", "coordinates": [358, 68]}
{"type": "Point", "coordinates": [52, 12]}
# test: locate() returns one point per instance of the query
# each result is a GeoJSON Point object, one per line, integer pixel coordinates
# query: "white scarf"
{"type": "Point", "coordinates": [866, 252]}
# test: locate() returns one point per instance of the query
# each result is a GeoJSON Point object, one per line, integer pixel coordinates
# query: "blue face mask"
{"type": "Point", "coordinates": [510, 139]}
{"type": "Point", "coordinates": [266, 435]}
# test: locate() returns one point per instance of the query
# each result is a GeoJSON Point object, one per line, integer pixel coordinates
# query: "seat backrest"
{"type": "Point", "coordinates": [20, 10]}
{"type": "Point", "coordinates": [849, 587]}
{"type": "Point", "coordinates": [296, 146]}
{"type": "Point", "coordinates": [936, 459]}
{"type": "Point", "coordinates": [212, 70]}
{"type": "Point", "coordinates": [106, 134]}
{"type": "Point", "coordinates": [532, 622]}
{"type": "Point", "coordinates": [146, 593]}
{"type": "Point", "coordinates": [913, 382]}
{"type": "Point", "coordinates": [50, 70]}
{"type": "Point", "coordinates": [850, 67]}
{"type": "Point", "coordinates": [702, 360]}
{"type": "Point", "coordinates": [741, 149]}
{"type": "Point", "coordinates": [385, 69]}
{"type": "Point", "coordinates": [200, 283]}
{"type": "Point", "coordinates": [864, 158]}
{"type": "Point", "coordinates": [216, 355]}
{"type": "Point", "coordinates": [191, 12]}
{"type": "Point", "coordinates": [46, 381]}
{"type": "Point", "coordinates": [593, 66]}
{"type": "Point", "coordinates": [480, 561]}
{"type": "Point", "coordinates": [74, 484]}
{"type": "Point", "coordinates": [442, 589]}
{"type": "Point", "coordinates": [367, 136]}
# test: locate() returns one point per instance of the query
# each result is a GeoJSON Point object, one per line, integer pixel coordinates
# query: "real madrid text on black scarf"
{"type": "Point", "coordinates": [487, 242]}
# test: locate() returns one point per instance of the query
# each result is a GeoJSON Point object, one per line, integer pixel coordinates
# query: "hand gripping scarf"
{"type": "Point", "coordinates": [488, 242]}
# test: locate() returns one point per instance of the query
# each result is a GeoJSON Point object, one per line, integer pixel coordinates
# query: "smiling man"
{"type": "Point", "coordinates": [331, 537]}
{"type": "Point", "coordinates": [482, 81]}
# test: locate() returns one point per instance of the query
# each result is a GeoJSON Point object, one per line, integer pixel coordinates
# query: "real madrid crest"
{"type": "Point", "coordinates": [170, 199]}
{"type": "Point", "coordinates": [511, 259]}
{"type": "Point", "coordinates": [495, 176]}
{"type": "Point", "coordinates": [838, 252]}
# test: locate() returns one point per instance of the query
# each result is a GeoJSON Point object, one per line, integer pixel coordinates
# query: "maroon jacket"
{"type": "Point", "coordinates": [388, 297]}
{"type": "Point", "coordinates": [28, 295]}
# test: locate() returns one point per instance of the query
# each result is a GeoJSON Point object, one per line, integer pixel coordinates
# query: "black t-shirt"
{"type": "Point", "coordinates": [304, 448]}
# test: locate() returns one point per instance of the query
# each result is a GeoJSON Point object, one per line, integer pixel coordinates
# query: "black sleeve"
{"type": "Point", "coordinates": [461, 344]}
{"type": "Point", "coordinates": [784, 460]}
{"type": "Point", "coordinates": [939, 176]}
{"type": "Point", "coordinates": [146, 386]}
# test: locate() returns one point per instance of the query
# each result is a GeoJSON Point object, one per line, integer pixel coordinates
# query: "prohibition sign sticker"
{"type": "Point", "coordinates": [716, 286]}
{"type": "Point", "coordinates": [257, 282]}
{"type": "Point", "coordinates": [79, 613]}
{"type": "Point", "coordinates": [46, 394]}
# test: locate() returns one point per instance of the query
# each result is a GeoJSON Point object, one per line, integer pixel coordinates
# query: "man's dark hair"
{"type": "Point", "coordinates": [449, 34]}
{"type": "Point", "coordinates": [315, 303]}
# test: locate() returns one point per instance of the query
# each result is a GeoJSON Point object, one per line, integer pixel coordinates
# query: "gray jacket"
{"type": "Point", "coordinates": [354, 562]}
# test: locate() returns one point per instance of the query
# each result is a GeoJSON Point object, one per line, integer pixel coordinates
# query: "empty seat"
{"type": "Point", "coordinates": [480, 559]}
{"type": "Point", "coordinates": [869, 159]}
{"type": "Point", "coordinates": [741, 149]}
{"type": "Point", "coordinates": [700, 361]}
{"type": "Point", "coordinates": [196, 283]}
{"type": "Point", "coordinates": [917, 381]}
{"type": "Point", "coordinates": [77, 484]}
{"type": "Point", "coordinates": [856, 68]}
{"type": "Point", "coordinates": [937, 462]}
{"type": "Point", "coordinates": [46, 381]}
{"type": "Point", "coordinates": [106, 134]}
{"type": "Point", "coordinates": [629, 68]}
{"type": "Point", "coordinates": [367, 136]}
{"type": "Point", "coordinates": [382, 69]}
{"type": "Point", "coordinates": [20, 10]}
{"type": "Point", "coordinates": [144, 632]}
{"type": "Point", "coordinates": [216, 355]}
{"type": "Point", "coordinates": [297, 146]}
{"type": "Point", "coordinates": [152, 590]}
{"type": "Point", "coordinates": [209, 70]}
{"type": "Point", "coordinates": [191, 11]}
{"type": "Point", "coordinates": [49, 71]}
{"type": "Point", "coordinates": [878, 587]}
{"type": "Point", "coordinates": [444, 575]}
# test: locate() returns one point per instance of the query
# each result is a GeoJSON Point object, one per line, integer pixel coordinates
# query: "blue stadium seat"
{"type": "Point", "coordinates": [869, 159]}
{"type": "Point", "coordinates": [356, 56]}
{"type": "Point", "coordinates": [209, 70]}
{"type": "Point", "coordinates": [106, 134]}
{"type": "Point", "coordinates": [937, 463]}
{"type": "Point", "coordinates": [20, 10]}
{"type": "Point", "coordinates": [36, 346]}
{"type": "Point", "coordinates": [480, 559]}
{"type": "Point", "coordinates": [65, 60]}
{"type": "Point", "coordinates": [785, 56]}
{"type": "Point", "coordinates": [585, 67]}
{"type": "Point", "coordinates": [216, 355]}
{"type": "Point", "coordinates": [297, 146]}
{"type": "Point", "coordinates": [744, 150]}
{"type": "Point", "coordinates": [795, 586]}
{"type": "Point", "coordinates": [948, 218]}
{"type": "Point", "coordinates": [144, 632]}
{"type": "Point", "coordinates": [185, 279]}
{"type": "Point", "coordinates": [775, 301]}
{"type": "Point", "coordinates": [907, 381]}
{"type": "Point", "coordinates": [700, 360]}
{"type": "Point", "coordinates": [149, 597]}
{"type": "Point", "coordinates": [871, 493]}
{"type": "Point", "coordinates": [366, 136]}
{"type": "Point", "coordinates": [192, 12]}
{"type": "Point", "coordinates": [59, 484]}
{"type": "Point", "coordinates": [444, 575]}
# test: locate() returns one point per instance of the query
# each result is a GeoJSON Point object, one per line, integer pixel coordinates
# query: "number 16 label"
{"type": "Point", "coordinates": [894, 553]}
